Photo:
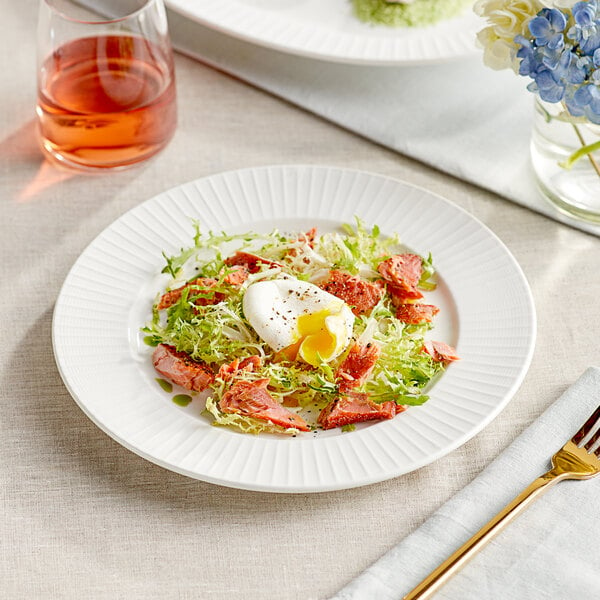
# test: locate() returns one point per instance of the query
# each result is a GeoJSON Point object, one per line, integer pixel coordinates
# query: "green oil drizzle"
{"type": "Point", "coordinates": [165, 385]}
{"type": "Point", "coordinates": [182, 399]}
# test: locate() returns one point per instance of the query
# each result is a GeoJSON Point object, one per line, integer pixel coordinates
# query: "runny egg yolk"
{"type": "Point", "coordinates": [319, 336]}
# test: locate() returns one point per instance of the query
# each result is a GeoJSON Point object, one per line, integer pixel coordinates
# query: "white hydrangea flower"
{"type": "Point", "coordinates": [506, 19]}
{"type": "Point", "coordinates": [498, 53]}
{"type": "Point", "coordinates": [562, 4]}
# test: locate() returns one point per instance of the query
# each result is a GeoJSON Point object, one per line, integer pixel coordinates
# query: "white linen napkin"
{"type": "Point", "coordinates": [461, 117]}
{"type": "Point", "coordinates": [548, 553]}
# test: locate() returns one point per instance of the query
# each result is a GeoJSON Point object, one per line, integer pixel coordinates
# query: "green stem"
{"type": "Point", "coordinates": [585, 150]}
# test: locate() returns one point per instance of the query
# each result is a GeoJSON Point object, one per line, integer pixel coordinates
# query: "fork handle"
{"type": "Point", "coordinates": [456, 561]}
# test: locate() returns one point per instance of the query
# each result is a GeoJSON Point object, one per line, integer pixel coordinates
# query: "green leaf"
{"type": "Point", "coordinates": [174, 263]}
{"type": "Point", "coordinates": [428, 272]}
{"type": "Point", "coordinates": [152, 340]}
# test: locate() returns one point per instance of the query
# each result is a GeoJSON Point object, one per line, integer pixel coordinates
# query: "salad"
{"type": "Point", "coordinates": [297, 332]}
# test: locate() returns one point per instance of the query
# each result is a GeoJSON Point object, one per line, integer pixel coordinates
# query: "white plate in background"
{"type": "Point", "coordinates": [330, 31]}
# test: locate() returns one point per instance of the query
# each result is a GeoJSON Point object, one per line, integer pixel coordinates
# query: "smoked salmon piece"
{"type": "Point", "coordinates": [361, 296]}
{"type": "Point", "coordinates": [440, 351]}
{"type": "Point", "coordinates": [357, 366]}
{"type": "Point", "coordinates": [179, 368]}
{"type": "Point", "coordinates": [251, 399]}
{"type": "Point", "coordinates": [413, 314]}
{"type": "Point", "coordinates": [402, 296]}
{"type": "Point", "coordinates": [200, 292]}
{"type": "Point", "coordinates": [404, 270]}
{"type": "Point", "coordinates": [402, 273]}
{"type": "Point", "coordinates": [227, 371]}
{"type": "Point", "coordinates": [307, 237]}
{"type": "Point", "coordinates": [251, 262]}
{"type": "Point", "coordinates": [252, 363]}
{"type": "Point", "coordinates": [236, 276]}
{"type": "Point", "coordinates": [355, 408]}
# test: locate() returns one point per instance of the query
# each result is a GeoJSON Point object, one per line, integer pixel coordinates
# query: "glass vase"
{"type": "Point", "coordinates": [565, 153]}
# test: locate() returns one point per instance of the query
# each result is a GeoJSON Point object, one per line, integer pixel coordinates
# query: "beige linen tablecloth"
{"type": "Point", "coordinates": [82, 517]}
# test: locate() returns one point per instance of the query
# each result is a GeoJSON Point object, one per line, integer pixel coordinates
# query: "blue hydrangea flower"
{"type": "Point", "coordinates": [586, 31]}
{"type": "Point", "coordinates": [574, 109]}
{"type": "Point", "coordinates": [555, 58]}
{"type": "Point", "coordinates": [563, 64]}
{"type": "Point", "coordinates": [585, 100]}
{"type": "Point", "coordinates": [531, 59]}
{"type": "Point", "coordinates": [564, 67]}
{"type": "Point", "coordinates": [547, 28]}
{"type": "Point", "coordinates": [585, 13]}
{"type": "Point", "coordinates": [548, 86]}
{"type": "Point", "coordinates": [574, 69]}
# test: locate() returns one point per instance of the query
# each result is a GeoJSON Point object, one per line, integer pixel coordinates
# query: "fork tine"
{"type": "Point", "coordinates": [590, 445]}
{"type": "Point", "coordinates": [587, 428]}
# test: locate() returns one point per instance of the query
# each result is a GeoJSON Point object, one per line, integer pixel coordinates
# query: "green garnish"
{"type": "Point", "coordinates": [419, 13]}
{"type": "Point", "coordinates": [167, 386]}
{"type": "Point", "coordinates": [182, 399]}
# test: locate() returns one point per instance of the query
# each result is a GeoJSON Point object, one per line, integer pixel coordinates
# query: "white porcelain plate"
{"type": "Point", "coordinates": [330, 31]}
{"type": "Point", "coordinates": [487, 313]}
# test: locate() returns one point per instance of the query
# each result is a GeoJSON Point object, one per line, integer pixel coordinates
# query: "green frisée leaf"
{"type": "Point", "coordinates": [176, 262]}
{"type": "Point", "coordinates": [152, 340]}
{"type": "Point", "coordinates": [359, 248]}
{"type": "Point", "coordinates": [428, 273]}
{"type": "Point", "coordinates": [403, 370]}
{"type": "Point", "coordinates": [322, 385]}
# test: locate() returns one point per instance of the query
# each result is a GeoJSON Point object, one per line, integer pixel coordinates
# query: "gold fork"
{"type": "Point", "coordinates": [579, 458]}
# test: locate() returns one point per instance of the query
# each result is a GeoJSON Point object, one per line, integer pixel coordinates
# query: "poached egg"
{"type": "Point", "coordinates": [299, 318]}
